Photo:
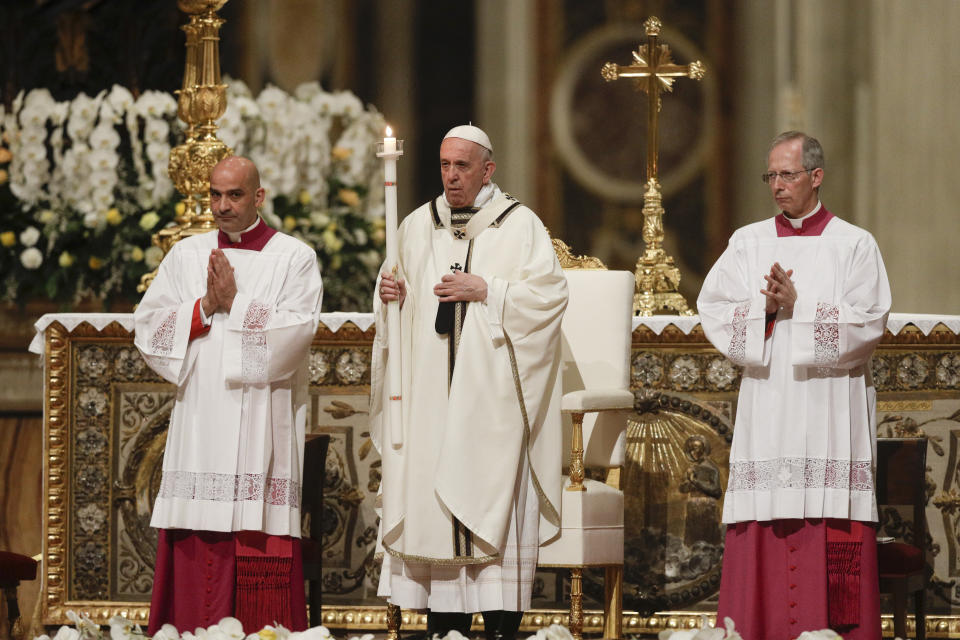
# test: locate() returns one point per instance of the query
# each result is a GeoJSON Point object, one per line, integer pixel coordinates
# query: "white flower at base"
{"type": "Point", "coordinates": [121, 628]}
{"type": "Point", "coordinates": [705, 632]}
{"type": "Point", "coordinates": [313, 633]}
{"type": "Point", "coordinates": [167, 632]}
{"type": "Point", "coordinates": [67, 633]}
{"type": "Point", "coordinates": [553, 632]}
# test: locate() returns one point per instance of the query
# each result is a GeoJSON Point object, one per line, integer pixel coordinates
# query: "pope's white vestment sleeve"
{"type": "Point", "coordinates": [842, 330]}
{"type": "Point", "coordinates": [162, 321]}
{"type": "Point", "coordinates": [732, 309]}
{"type": "Point", "coordinates": [266, 340]}
{"type": "Point", "coordinates": [379, 355]}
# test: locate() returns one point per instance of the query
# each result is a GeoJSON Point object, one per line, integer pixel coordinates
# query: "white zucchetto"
{"type": "Point", "coordinates": [471, 133]}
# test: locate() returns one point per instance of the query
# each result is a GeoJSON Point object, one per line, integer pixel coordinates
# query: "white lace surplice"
{"type": "Point", "coordinates": [805, 435]}
{"type": "Point", "coordinates": [234, 453]}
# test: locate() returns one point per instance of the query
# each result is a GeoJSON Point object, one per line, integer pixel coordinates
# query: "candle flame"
{"type": "Point", "coordinates": [389, 132]}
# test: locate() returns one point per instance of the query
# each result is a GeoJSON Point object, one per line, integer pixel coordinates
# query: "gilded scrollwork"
{"type": "Point", "coordinates": [568, 260]}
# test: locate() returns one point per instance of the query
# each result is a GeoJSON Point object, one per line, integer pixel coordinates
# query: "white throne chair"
{"type": "Point", "coordinates": [596, 398]}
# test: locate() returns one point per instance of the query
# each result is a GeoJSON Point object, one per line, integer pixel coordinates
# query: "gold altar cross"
{"type": "Point", "coordinates": [654, 70]}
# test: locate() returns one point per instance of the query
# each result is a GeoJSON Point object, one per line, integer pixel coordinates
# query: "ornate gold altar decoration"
{"type": "Point", "coordinates": [201, 101]}
{"type": "Point", "coordinates": [657, 276]}
{"type": "Point", "coordinates": [106, 411]}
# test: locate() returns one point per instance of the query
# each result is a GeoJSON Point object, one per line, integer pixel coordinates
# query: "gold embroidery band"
{"type": "Point", "coordinates": [440, 562]}
{"type": "Point", "coordinates": [549, 507]}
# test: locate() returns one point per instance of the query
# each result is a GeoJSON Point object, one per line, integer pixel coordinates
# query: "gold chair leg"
{"type": "Point", "coordinates": [576, 453]}
{"type": "Point", "coordinates": [613, 602]}
{"type": "Point", "coordinates": [393, 622]}
{"type": "Point", "coordinates": [576, 603]}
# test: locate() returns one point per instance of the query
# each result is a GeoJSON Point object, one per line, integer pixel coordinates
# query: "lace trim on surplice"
{"type": "Point", "coordinates": [801, 473]}
{"type": "Point", "coordinates": [161, 343]}
{"type": "Point", "coordinates": [826, 334]}
{"type": "Point", "coordinates": [253, 341]}
{"type": "Point", "coordinates": [738, 341]}
{"type": "Point", "coordinates": [227, 487]}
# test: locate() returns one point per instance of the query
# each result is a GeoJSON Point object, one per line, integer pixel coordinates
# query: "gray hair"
{"type": "Point", "coordinates": [812, 151]}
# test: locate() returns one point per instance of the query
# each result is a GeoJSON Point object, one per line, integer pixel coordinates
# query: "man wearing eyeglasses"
{"type": "Point", "coordinates": [800, 301]}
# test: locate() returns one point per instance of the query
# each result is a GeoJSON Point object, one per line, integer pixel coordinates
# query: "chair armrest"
{"type": "Point", "coordinates": [596, 400]}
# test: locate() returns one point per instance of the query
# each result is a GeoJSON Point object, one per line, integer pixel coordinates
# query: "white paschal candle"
{"type": "Point", "coordinates": [394, 383]}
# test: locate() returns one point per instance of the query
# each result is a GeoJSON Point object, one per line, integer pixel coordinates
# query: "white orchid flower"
{"type": "Point", "coordinates": [104, 136]}
{"type": "Point", "coordinates": [67, 633]}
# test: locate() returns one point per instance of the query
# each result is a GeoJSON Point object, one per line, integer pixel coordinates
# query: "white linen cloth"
{"type": "Point", "coordinates": [234, 454]}
{"type": "Point", "coordinates": [805, 435]}
{"type": "Point", "coordinates": [466, 438]}
{"type": "Point", "coordinates": [336, 319]}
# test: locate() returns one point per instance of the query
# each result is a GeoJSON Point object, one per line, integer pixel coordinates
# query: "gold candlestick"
{"type": "Point", "coordinates": [656, 274]}
{"type": "Point", "coordinates": [200, 102]}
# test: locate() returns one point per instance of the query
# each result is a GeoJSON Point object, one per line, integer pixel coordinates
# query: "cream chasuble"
{"type": "Point", "coordinates": [234, 452]}
{"type": "Point", "coordinates": [805, 435]}
{"type": "Point", "coordinates": [481, 454]}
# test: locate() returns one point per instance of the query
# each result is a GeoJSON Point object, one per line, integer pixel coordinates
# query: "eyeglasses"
{"type": "Point", "coordinates": [786, 176]}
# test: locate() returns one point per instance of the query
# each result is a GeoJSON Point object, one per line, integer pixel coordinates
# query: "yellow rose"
{"type": "Point", "coordinates": [136, 254]}
{"type": "Point", "coordinates": [47, 216]}
{"type": "Point", "coordinates": [8, 238]}
{"type": "Point", "coordinates": [267, 634]}
{"type": "Point", "coordinates": [331, 242]}
{"type": "Point", "coordinates": [95, 263]}
{"type": "Point", "coordinates": [380, 223]}
{"type": "Point", "coordinates": [5, 155]}
{"type": "Point", "coordinates": [349, 197]}
{"type": "Point", "coordinates": [149, 220]}
{"type": "Point", "coordinates": [65, 259]}
{"type": "Point", "coordinates": [114, 217]}
{"type": "Point", "coordinates": [340, 153]}
{"type": "Point", "coordinates": [305, 198]}
{"type": "Point", "coordinates": [332, 226]}
{"type": "Point", "coordinates": [180, 207]}
{"type": "Point", "coordinates": [3, 176]}
{"type": "Point", "coordinates": [289, 223]}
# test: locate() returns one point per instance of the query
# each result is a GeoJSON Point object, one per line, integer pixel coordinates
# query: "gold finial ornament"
{"type": "Point", "coordinates": [201, 100]}
{"type": "Point", "coordinates": [656, 274]}
{"type": "Point", "coordinates": [653, 26]}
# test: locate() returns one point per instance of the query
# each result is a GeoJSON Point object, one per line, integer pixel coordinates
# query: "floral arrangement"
{"type": "Point", "coordinates": [84, 186]}
{"type": "Point", "coordinates": [729, 632]}
{"type": "Point", "coordinates": [230, 629]}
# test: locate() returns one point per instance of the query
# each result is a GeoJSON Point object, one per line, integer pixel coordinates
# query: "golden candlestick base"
{"type": "Point", "coordinates": [657, 277]}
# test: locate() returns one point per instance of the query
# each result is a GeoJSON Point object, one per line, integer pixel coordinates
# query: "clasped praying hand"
{"type": "Point", "coordinates": [221, 285]}
{"type": "Point", "coordinates": [780, 292]}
